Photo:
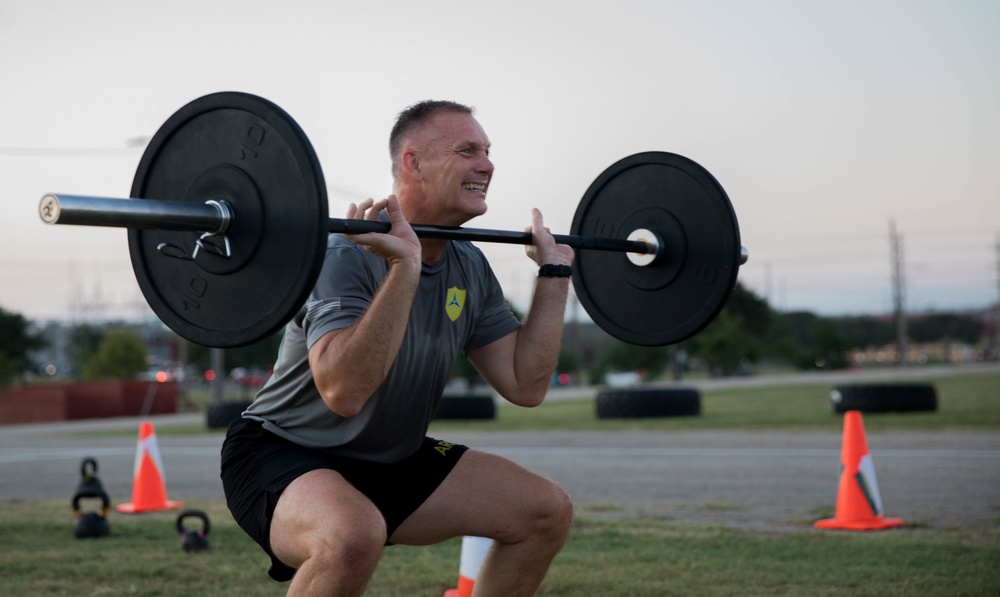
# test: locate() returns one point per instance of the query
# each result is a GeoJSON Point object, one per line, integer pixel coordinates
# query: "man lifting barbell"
{"type": "Point", "coordinates": [230, 241]}
{"type": "Point", "coordinates": [331, 462]}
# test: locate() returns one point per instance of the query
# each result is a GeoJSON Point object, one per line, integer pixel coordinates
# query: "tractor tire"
{"type": "Point", "coordinates": [637, 403]}
{"type": "Point", "coordinates": [883, 398]}
{"type": "Point", "coordinates": [466, 406]}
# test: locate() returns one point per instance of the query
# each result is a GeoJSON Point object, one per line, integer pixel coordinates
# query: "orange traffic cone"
{"type": "Point", "coordinates": [473, 553]}
{"type": "Point", "coordinates": [859, 506]}
{"type": "Point", "coordinates": [149, 491]}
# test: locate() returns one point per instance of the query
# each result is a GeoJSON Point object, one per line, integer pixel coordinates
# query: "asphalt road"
{"type": "Point", "coordinates": [766, 480]}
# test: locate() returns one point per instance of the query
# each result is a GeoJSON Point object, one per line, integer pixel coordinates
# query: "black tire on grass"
{"type": "Point", "coordinates": [219, 415]}
{"type": "Point", "coordinates": [466, 406]}
{"type": "Point", "coordinates": [883, 398]}
{"type": "Point", "coordinates": [636, 403]}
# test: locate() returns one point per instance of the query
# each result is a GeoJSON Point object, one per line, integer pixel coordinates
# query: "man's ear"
{"type": "Point", "coordinates": [410, 161]}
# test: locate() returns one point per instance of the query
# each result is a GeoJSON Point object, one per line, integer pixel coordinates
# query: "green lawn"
{"type": "Point", "coordinates": [632, 557]}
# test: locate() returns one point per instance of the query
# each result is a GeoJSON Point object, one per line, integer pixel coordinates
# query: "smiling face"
{"type": "Point", "coordinates": [454, 168]}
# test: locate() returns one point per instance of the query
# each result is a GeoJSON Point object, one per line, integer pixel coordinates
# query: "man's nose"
{"type": "Point", "coordinates": [485, 165]}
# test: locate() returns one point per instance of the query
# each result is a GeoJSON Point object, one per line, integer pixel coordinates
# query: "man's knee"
{"type": "Point", "coordinates": [357, 549]}
{"type": "Point", "coordinates": [556, 509]}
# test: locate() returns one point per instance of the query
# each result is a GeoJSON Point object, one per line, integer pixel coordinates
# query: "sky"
{"type": "Point", "coordinates": [825, 122]}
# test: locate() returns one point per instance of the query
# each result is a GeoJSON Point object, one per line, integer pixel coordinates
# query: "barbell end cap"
{"type": "Point", "coordinates": [48, 209]}
{"type": "Point", "coordinates": [744, 255]}
{"type": "Point", "coordinates": [653, 242]}
{"type": "Point", "coordinates": [226, 216]}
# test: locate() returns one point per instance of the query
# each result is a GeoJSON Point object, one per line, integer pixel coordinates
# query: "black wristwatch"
{"type": "Point", "coordinates": [551, 270]}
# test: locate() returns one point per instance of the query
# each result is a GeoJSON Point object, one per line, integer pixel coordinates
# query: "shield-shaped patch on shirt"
{"type": "Point", "coordinates": [455, 302]}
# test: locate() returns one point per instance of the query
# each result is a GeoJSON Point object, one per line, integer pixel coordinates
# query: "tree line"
{"type": "Point", "coordinates": [747, 332]}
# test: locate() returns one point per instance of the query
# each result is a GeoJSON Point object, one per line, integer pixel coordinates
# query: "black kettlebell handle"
{"type": "Point", "coordinates": [83, 468]}
{"type": "Point", "coordinates": [102, 495]}
{"type": "Point", "coordinates": [90, 485]}
{"type": "Point", "coordinates": [192, 514]}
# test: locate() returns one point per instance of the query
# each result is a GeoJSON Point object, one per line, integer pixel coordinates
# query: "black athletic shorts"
{"type": "Point", "coordinates": [258, 465]}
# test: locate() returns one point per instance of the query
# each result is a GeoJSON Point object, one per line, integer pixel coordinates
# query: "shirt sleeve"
{"type": "Point", "coordinates": [344, 290]}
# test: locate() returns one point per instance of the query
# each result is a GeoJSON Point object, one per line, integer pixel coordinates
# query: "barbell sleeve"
{"type": "Point", "coordinates": [213, 217]}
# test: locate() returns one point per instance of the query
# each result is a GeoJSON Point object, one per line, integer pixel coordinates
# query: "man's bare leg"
{"type": "Point", "coordinates": [528, 516]}
{"type": "Point", "coordinates": [331, 533]}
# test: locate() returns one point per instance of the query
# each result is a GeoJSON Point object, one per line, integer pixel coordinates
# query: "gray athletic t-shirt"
{"type": "Point", "coordinates": [459, 306]}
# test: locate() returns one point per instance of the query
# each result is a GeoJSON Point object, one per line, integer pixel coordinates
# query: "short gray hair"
{"type": "Point", "coordinates": [411, 118]}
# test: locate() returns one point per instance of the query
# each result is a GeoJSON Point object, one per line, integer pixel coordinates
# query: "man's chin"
{"type": "Point", "coordinates": [474, 211]}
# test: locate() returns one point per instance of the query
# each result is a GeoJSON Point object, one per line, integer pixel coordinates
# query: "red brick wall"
{"type": "Point", "coordinates": [85, 400]}
{"type": "Point", "coordinates": [95, 399]}
{"type": "Point", "coordinates": [162, 396]}
{"type": "Point", "coordinates": [32, 404]}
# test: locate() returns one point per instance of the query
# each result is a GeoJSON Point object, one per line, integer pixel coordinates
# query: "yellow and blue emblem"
{"type": "Point", "coordinates": [454, 303]}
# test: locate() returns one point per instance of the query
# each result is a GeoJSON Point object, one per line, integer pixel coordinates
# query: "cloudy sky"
{"type": "Point", "coordinates": [824, 122]}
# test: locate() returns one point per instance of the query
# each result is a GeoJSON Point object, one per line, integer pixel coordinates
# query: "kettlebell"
{"type": "Point", "coordinates": [193, 540]}
{"type": "Point", "coordinates": [91, 523]}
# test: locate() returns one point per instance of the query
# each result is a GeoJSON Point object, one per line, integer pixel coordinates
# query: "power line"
{"type": "Point", "coordinates": [838, 241]}
{"type": "Point", "coordinates": [69, 152]}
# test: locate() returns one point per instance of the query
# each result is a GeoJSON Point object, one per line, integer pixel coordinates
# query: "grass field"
{"type": "Point", "coordinates": [633, 557]}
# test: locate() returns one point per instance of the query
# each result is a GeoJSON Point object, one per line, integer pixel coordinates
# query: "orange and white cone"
{"type": "Point", "coordinates": [473, 553]}
{"type": "Point", "coordinates": [149, 490]}
{"type": "Point", "coordinates": [859, 505]}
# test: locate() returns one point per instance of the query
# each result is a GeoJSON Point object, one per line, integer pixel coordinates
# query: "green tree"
{"type": "Point", "coordinates": [862, 331]}
{"type": "Point", "coordinates": [259, 355]}
{"type": "Point", "coordinates": [821, 342]}
{"type": "Point", "coordinates": [122, 355]}
{"type": "Point", "coordinates": [828, 345]}
{"type": "Point", "coordinates": [568, 361]}
{"type": "Point", "coordinates": [780, 342]}
{"type": "Point", "coordinates": [84, 342]}
{"type": "Point", "coordinates": [622, 356]}
{"type": "Point", "coordinates": [757, 332]}
{"type": "Point", "coordinates": [753, 311]}
{"type": "Point", "coordinates": [945, 327]}
{"type": "Point", "coordinates": [726, 344]}
{"type": "Point", "coordinates": [16, 340]}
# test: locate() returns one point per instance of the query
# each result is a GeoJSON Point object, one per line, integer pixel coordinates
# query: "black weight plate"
{"type": "Point", "coordinates": [247, 151]}
{"type": "Point", "coordinates": [685, 288]}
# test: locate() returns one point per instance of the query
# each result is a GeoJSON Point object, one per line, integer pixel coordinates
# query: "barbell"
{"type": "Point", "coordinates": [228, 220]}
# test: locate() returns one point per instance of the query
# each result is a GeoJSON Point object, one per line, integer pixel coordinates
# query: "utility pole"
{"type": "Point", "coordinates": [898, 286]}
{"type": "Point", "coordinates": [574, 338]}
{"type": "Point", "coordinates": [218, 364]}
{"type": "Point", "coordinates": [996, 322]}
{"type": "Point", "coordinates": [767, 284]}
